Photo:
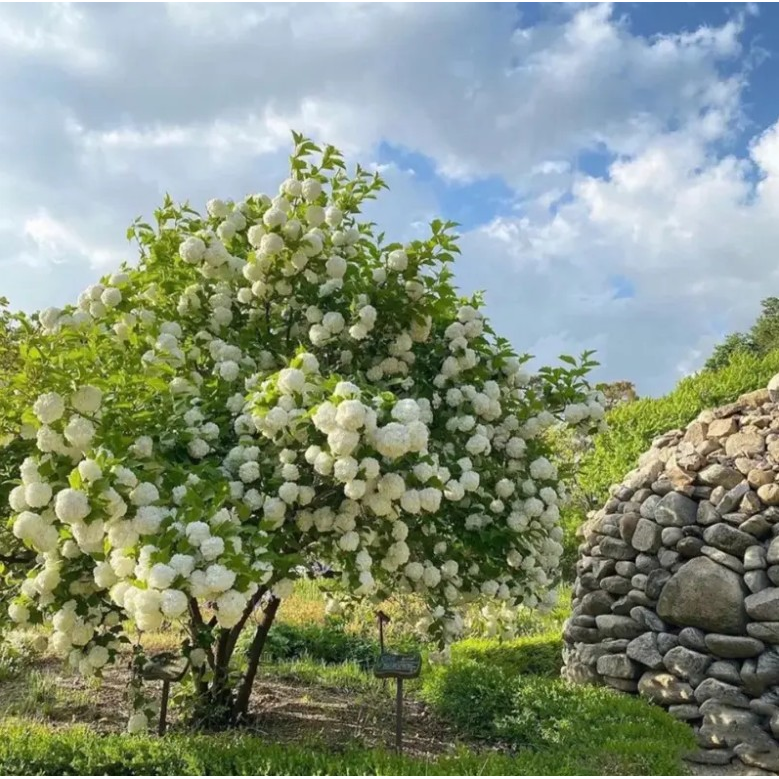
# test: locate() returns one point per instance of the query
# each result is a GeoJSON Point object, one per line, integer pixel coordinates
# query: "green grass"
{"type": "Point", "coordinates": [28, 749]}
{"type": "Point", "coordinates": [606, 731]}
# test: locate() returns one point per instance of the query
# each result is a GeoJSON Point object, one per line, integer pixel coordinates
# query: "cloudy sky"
{"type": "Point", "coordinates": [614, 169]}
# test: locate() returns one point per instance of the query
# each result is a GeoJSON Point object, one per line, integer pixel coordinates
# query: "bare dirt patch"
{"type": "Point", "coordinates": [283, 710]}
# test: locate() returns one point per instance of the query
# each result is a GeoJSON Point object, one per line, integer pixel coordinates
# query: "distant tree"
{"type": "Point", "coordinates": [762, 338]}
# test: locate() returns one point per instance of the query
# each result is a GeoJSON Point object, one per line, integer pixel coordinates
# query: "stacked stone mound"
{"type": "Point", "coordinates": [677, 589]}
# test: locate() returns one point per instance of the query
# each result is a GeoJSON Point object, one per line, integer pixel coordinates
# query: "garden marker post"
{"type": "Point", "coordinates": [168, 668]}
{"type": "Point", "coordinates": [398, 667]}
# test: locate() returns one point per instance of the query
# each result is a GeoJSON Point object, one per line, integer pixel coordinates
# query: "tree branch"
{"type": "Point", "coordinates": [255, 652]}
{"type": "Point", "coordinates": [235, 632]}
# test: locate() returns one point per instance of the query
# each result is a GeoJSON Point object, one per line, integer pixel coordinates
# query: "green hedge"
{"type": "Point", "coordinates": [633, 425]}
{"type": "Point", "coordinates": [34, 750]}
{"type": "Point", "coordinates": [608, 733]}
{"type": "Point", "coordinates": [539, 655]}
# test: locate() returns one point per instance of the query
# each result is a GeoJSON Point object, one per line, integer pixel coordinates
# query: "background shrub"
{"type": "Point", "coordinates": [540, 655]}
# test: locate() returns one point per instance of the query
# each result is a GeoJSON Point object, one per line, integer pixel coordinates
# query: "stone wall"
{"type": "Point", "coordinates": [677, 589]}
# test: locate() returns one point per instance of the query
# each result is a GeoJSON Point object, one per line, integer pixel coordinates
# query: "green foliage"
{"type": "Point", "coordinates": [539, 655]}
{"type": "Point", "coordinates": [762, 338]}
{"type": "Point", "coordinates": [633, 426]}
{"type": "Point", "coordinates": [608, 733]}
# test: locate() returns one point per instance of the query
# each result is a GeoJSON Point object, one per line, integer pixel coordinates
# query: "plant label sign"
{"type": "Point", "coordinates": [398, 666]}
{"type": "Point", "coordinates": [166, 667]}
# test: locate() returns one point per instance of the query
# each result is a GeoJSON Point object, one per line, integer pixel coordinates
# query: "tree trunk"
{"type": "Point", "coordinates": [241, 704]}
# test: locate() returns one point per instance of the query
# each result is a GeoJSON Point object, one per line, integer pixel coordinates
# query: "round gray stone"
{"type": "Point", "coordinates": [686, 599]}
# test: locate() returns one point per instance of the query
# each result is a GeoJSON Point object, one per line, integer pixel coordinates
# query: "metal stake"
{"type": "Point", "coordinates": [164, 708]}
{"type": "Point", "coordinates": [399, 716]}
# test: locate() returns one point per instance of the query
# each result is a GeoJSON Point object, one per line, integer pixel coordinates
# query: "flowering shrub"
{"type": "Point", "coordinates": [274, 388]}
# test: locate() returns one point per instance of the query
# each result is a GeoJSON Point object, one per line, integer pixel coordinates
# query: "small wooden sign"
{"type": "Point", "coordinates": [166, 667]}
{"type": "Point", "coordinates": [397, 666]}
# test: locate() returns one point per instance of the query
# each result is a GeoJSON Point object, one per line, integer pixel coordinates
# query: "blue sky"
{"type": "Point", "coordinates": [614, 169]}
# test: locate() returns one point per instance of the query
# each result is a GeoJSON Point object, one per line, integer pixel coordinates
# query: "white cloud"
{"type": "Point", "coordinates": [693, 232]}
{"type": "Point", "coordinates": [105, 109]}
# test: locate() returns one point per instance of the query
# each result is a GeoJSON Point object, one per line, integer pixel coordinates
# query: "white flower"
{"type": "Point", "coordinates": [359, 332]}
{"type": "Point", "coordinates": [342, 442]}
{"type": "Point", "coordinates": [274, 509]}
{"type": "Point", "coordinates": [274, 217]}
{"type": "Point", "coordinates": [271, 243]}
{"type": "Point", "coordinates": [197, 532]}
{"type": "Point", "coordinates": [212, 547]}
{"type": "Point", "coordinates": [143, 447]}
{"type": "Point", "coordinates": [515, 447]}
{"type": "Point", "coordinates": [311, 189]}
{"type": "Point", "coordinates": [333, 216]}
{"type": "Point", "coordinates": [49, 407]}
{"type": "Point", "coordinates": [350, 415]}
{"type": "Point", "coordinates": [16, 498]}
{"type": "Point", "coordinates": [333, 321]}
{"type": "Point", "coordinates": [291, 380]}
{"type": "Point", "coordinates": [79, 432]}
{"type": "Point", "coordinates": [249, 472]}
{"type": "Point", "coordinates": [477, 444]}
{"type": "Point", "coordinates": [217, 208]}
{"type": "Point", "coordinates": [283, 588]}
{"type": "Point", "coordinates": [192, 250]}
{"type": "Point", "coordinates": [111, 297]}
{"type": "Point", "coordinates": [138, 723]}
{"type": "Point", "coordinates": [397, 260]}
{"type": "Point", "coordinates": [71, 506]}
{"type": "Point", "coordinates": [161, 576]}
{"type": "Point", "coordinates": [430, 499]}
{"type": "Point", "coordinates": [218, 578]}
{"type": "Point", "coordinates": [184, 564]}
{"type": "Point", "coordinates": [392, 441]}
{"type": "Point", "coordinates": [87, 399]}
{"type": "Point", "coordinates": [229, 608]}
{"type": "Point", "coordinates": [37, 494]}
{"type": "Point", "coordinates": [349, 541]}
{"type": "Point", "coordinates": [504, 488]}
{"type": "Point", "coordinates": [355, 489]}
{"type": "Point", "coordinates": [336, 267]}
{"type": "Point", "coordinates": [89, 470]}
{"type": "Point", "coordinates": [345, 469]}
{"type": "Point", "coordinates": [291, 187]}
{"type": "Point", "coordinates": [19, 613]}
{"type": "Point", "coordinates": [406, 411]}
{"type": "Point", "coordinates": [144, 494]}
{"type": "Point", "coordinates": [198, 448]}
{"type": "Point", "coordinates": [289, 492]}
{"type": "Point", "coordinates": [542, 469]}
